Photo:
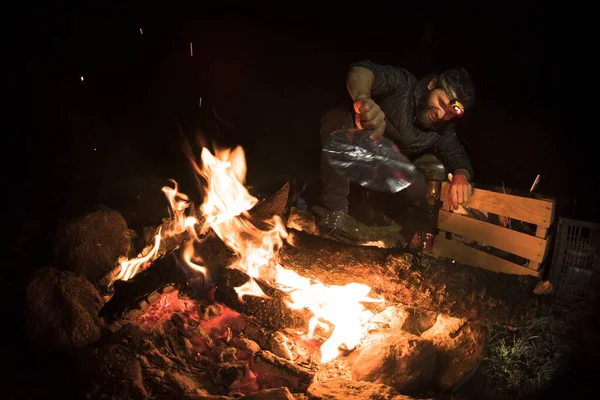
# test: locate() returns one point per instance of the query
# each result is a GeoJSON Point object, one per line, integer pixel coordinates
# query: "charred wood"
{"type": "Point", "coordinates": [131, 298]}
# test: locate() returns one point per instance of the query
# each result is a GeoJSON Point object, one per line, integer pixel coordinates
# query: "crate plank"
{"type": "Point", "coordinates": [534, 211]}
{"type": "Point", "coordinates": [477, 258]}
{"type": "Point", "coordinates": [534, 265]}
{"type": "Point", "coordinates": [514, 242]}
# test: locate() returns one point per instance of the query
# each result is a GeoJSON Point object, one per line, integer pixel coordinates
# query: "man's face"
{"type": "Point", "coordinates": [433, 107]}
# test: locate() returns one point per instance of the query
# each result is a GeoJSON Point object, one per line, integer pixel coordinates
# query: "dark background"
{"type": "Point", "coordinates": [274, 69]}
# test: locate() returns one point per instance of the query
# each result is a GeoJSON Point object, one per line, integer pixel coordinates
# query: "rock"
{"type": "Point", "coordinates": [444, 325]}
{"type": "Point", "coordinates": [345, 389]}
{"type": "Point", "coordinates": [62, 310]}
{"type": "Point", "coordinates": [281, 393]}
{"type": "Point", "coordinates": [302, 220]}
{"type": "Point", "coordinates": [398, 359]}
{"type": "Point", "coordinates": [91, 245]}
{"type": "Point", "coordinates": [460, 346]}
{"type": "Point", "coordinates": [543, 287]}
{"type": "Point", "coordinates": [392, 317]}
{"type": "Point", "coordinates": [418, 320]}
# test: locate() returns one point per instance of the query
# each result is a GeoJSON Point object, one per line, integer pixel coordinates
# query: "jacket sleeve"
{"type": "Point", "coordinates": [388, 79]}
{"type": "Point", "coordinates": [452, 153]}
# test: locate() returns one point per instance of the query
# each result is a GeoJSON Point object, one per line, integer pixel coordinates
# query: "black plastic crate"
{"type": "Point", "coordinates": [575, 270]}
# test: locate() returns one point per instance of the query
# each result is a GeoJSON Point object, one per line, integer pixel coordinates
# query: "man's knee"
{"type": "Point", "coordinates": [430, 166]}
{"type": "Point", "coordinates": [335, 119]}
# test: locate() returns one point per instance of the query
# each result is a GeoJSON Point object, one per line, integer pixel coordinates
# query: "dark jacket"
{"type": "Point", "coordinates": [397, 92]}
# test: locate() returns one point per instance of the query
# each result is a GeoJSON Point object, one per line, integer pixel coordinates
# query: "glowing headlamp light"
{"type": "Point", "coordinates": [455, 106]}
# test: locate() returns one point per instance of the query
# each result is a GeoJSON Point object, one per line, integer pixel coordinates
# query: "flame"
{"type": "Point", "coordinates": [179, 223]}
{"type": "Point", "coordinates": [188, 256]}
{"type": "Point", "coordinates": [337, 310]}
{"type": "Point", "coordinates": [131, 267]}
{"type": "Point", "coordinates": [249, 288]}
{"type": "Point", "coordinates": [178, 203]}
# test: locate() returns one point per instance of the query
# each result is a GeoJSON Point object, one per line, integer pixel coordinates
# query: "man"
{"type": "Point", "coordinates": [418, 116]}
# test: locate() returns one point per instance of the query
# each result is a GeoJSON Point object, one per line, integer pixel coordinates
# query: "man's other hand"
{"type": "Point", "coordinates": [460, 190]}
{"type": "Point", "coordinates": [369, 116]}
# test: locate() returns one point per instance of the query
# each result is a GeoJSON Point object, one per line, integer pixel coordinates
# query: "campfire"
{"type": "Point", "coordinates": [337, 311]}
{"type": "Point", "coordinates": [227, 300]}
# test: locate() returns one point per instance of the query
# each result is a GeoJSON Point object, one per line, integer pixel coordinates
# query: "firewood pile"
{"type": "Point", "coordinates": [169, 332]}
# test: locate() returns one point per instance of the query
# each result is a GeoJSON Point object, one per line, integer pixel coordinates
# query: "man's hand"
{"type": "Point", "coordinates": [369, 116]}
{"type": "Point", "coordinates": [460, 190]}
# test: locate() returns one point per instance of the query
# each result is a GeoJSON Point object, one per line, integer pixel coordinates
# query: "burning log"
{"type": "Point", "coordinates": [401, 278]}
{"type": "Point", "coordinates": [131, 298]}
{"type": "Point", "coordinates": [129, 293]}
{"type": "Point", "coordinates": [416, 280]}
{"type": "Point", "coordinates": [212, 247]}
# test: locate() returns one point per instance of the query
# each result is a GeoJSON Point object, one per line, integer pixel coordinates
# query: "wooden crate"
{"type": "Point", "coordinates": [533, 248]}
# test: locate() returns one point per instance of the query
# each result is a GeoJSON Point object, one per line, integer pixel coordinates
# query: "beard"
{"type": "Point", "coordinates": [422, 115]}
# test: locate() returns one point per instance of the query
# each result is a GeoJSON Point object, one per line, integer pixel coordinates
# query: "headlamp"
{"type": "Point", "coordinates": [455, 106]}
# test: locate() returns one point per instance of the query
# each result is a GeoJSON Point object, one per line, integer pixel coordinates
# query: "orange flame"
{"type": "Point", "coordinates": [178, 203]}
{"type": "Point", "coordinates": [131, 267]}
{"type": "Point", "coordinates": [225, 209]}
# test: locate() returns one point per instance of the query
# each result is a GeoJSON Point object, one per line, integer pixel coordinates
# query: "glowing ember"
{"type": "Point", "coordinates": [166, 306]}
{"type": "Point", "coordinates": [337, 310]}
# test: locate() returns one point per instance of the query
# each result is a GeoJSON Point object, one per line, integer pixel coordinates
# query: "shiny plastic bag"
{"type": "Point", "coordinates": [376, 165]}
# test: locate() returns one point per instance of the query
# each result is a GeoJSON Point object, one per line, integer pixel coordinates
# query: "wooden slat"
{"type": "Point", "coordinates": [538, 212]}
{"type": "Point", "coordinates": [541, 232]}
{"type": "Point", "coordinates": [534, 265]}
{"type": "Point", "coordinates": [514, 242]}
{"type": "Point", "coordinates": [477, 258]}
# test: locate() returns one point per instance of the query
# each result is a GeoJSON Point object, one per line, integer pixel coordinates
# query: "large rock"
{"type": "Point", "coordinates": [393, 317]}
{"type": "Point", "coordinates": [63, 310]}
{"type": "Point", "coordinates": [398, 359]}
{"type": "Point", "coordinates": [418, 320]}
{"type": "Point", "coordinates": [345, 389]}
{"type": "Point", "coordinates": [92, 244]}
{"type": "Point", "coordinates": [460, 346]}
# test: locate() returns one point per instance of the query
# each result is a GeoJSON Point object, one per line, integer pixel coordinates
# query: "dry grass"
{"type": "Point", "coordinates": [523, 362]}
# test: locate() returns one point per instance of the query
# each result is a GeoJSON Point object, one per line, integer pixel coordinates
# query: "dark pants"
{"type": "Point", "coordinates": [336, 187]}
